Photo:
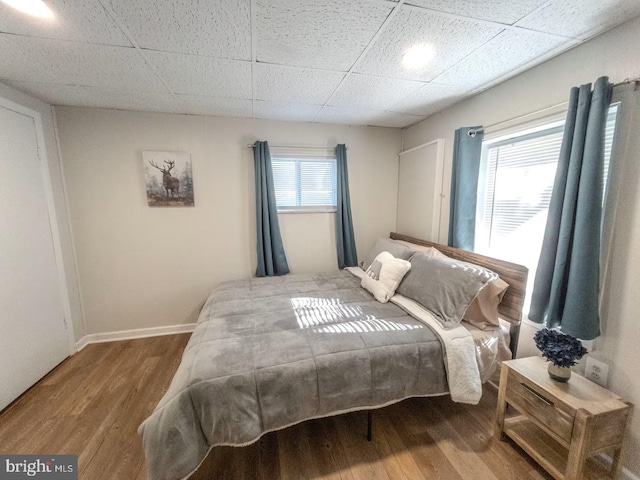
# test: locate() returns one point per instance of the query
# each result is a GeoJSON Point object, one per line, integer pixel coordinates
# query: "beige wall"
{"type": "Point", "coordinates": [613, 54]}
{"type": "Point", "coordinates": [62, 222]}
{"type": "Point", "coordinates": [146, 267]}
{"type": "Point", "coordinates": [620, 302]}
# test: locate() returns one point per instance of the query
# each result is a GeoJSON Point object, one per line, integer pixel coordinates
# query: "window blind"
{"type": "Point", "coordinates": [608, 141]}
{"type": "Point", "coordinates": [304, 183]}
{"type": "Point", "coordinates": [519, 178]}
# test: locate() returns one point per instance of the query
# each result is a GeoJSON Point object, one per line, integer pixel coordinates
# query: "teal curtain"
{"type": "Point", "coordinates": [271, 257]}
{"type": "Point", "coordinates": [345, 239]}
{"type": "Point", "coordinates": [467, 150]}
{"type": "Point", "coordinates": [566, 287]}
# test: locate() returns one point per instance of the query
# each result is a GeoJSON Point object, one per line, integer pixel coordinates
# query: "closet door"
{"type": "Point", "coordinates": [420, 191]}
{"type": "Point", "coordinates": [33, 338]}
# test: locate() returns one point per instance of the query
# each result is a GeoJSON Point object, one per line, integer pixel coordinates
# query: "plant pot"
{"type": "Point", "coordinates": [559, 374]}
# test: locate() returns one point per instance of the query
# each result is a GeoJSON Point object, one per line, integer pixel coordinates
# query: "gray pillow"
{"type": "Point", "coordinates": [444, 286]}
{"type": "Point", "coordinates": [387, 245]}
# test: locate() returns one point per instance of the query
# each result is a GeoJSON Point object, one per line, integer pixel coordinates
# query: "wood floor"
{"type": "Point", "coordinates": [92, 404]}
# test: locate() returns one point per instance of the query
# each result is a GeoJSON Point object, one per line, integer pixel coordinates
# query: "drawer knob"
{"type": "Point", "coordinates": [536, 394]}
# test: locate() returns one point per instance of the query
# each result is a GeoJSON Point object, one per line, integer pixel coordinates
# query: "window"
{"type": "Point", "coordinates": [304, 183]}
{"type": "Point", "coordinates": [514, 191]}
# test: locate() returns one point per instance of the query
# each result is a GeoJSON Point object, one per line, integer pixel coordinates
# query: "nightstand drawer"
{"type": "Point", "coordinates": [531, 400]}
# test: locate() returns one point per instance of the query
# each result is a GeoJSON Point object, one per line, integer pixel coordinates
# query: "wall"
{"type": "Point", "coordinates": [146, 267]}
{"type": "Point", "coordinates": [620, 302]}
{"type": "Point", "coordinates": [613, 54]}
{"type": "Point", "coordinates": [74, 310]}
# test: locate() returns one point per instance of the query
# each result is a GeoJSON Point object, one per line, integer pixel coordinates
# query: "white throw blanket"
{"type": "Point", "coordinates": [463, 374]}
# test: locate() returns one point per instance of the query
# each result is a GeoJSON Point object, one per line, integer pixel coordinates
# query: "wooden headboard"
{"type": "Point", "coordinates": [515, 275]}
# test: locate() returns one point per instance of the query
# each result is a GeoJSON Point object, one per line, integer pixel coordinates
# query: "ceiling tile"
{"type": "Point", "coordinates": [15, 64]}
{"type": "Point", "coordinates": [138, 101]}
{"type": "Point", "coordinates": [213, 28]}
{"type": "Point", "coordinates": [100, 97]}
{"type": "Point", "coordinates": [295, 84]}
{"type": "Point", "coordinates": [90, 65]}
{"type": "Point", "coordinates": [503, 11]}
{"type": "Point", "coordinates": [55, 94]}
{"type": "Point", "coordinates": [82, 21]}
{"type": "Point", "coordinates": [354, 116]}
{"type": "Point", "coordinates": [286, 111]}
{"type": "Point", "coordinates": [430, 99]}
{"type": "Point", "coordinates": [195, 75]}
{"type": "Point", "coordinates": [581, 18]}
{"type": "Point", "coordinates": [219, 107]}
{"type": "Point", "coordinates": [452, 39]}
{"type": "Point", "coordinates": [346, 115]}
{"type": "Point", "coordinates": [500, 56]}
{"type": "Point", "coordinates": [329, 34]}
{"type": "Point", "coordinates": [375, 93]}
{"type": "Point", "coordinates": [395, 120]}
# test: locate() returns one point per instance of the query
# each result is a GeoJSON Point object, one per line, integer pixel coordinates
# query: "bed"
{"type": "Point", "coordinates": [268, 353]}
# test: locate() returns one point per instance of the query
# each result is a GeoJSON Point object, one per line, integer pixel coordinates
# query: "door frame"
{"type": "Point", "coordinates": [52, 215]}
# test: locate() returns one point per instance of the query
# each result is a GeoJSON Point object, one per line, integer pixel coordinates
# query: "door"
{"type": "Point", "coordinates": [420, 191]}
{"type": "Point", "coordinates": [33, 338]}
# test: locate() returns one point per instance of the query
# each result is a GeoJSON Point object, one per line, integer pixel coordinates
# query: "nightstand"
{"type": "Point", "coordinates": [560, 425]}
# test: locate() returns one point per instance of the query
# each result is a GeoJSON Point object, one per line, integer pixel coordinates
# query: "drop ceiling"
{"type": "Point", "coordinates": [337, 61]}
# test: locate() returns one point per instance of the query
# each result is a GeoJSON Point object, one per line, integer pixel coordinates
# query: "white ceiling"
{"type": "Point", "coordinates": [337, 61]}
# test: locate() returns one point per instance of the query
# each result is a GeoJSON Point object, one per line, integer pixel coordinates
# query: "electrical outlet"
{"type": "Point", "coordinates": [597, 371]}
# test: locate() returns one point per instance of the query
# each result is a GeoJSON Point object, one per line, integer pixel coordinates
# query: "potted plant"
{"type": "Point", "coordinates": [561, 350]}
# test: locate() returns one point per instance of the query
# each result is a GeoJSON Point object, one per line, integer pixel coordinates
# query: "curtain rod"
{"type": "Point", "coordinates": [472, 133]}
{"type": "Point", "coordinates": [312, 147]}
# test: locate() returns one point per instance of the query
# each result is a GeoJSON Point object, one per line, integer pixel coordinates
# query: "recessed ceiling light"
{"type": "Point", "coordinates": [37, 8]}
{"type": "Point", "coordinates": [418, 56]}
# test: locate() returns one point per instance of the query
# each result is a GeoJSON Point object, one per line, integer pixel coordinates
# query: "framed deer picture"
{"type": "Point", "coordinates": [168, 178]}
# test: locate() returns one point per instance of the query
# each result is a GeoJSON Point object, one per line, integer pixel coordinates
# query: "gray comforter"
{"type": "Point", "coordinates": [271, 352]}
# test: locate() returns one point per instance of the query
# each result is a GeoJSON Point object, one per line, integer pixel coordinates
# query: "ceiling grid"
{"type": "Point", "coordinates": [298, 60]}
{"type": "Point", "coordinates": [137, 47]}
{"type": "Point", "coordinates": [393, 12]}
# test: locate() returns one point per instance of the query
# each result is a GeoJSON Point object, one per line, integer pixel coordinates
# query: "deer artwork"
{"type": "Point", "coordinates": [171, 184]}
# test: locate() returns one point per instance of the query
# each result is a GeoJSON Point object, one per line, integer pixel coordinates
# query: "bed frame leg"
{"type": "Point", "coordinates": [369, 424]}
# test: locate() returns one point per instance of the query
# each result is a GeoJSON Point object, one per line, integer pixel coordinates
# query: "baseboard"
{"type": "Point", "coordinates": [83, 342]}
{"type": "Point", "coordinates": [132, 334]}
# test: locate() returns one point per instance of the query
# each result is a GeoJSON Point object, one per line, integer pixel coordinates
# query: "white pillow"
{"type": "Point", "coordinates": [384, 275]}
